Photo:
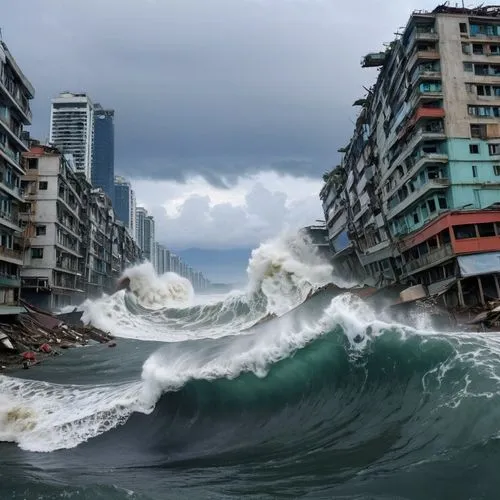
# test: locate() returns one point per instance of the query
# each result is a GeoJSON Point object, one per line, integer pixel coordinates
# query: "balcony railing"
{"type": "Point", "coordinates": [8, 252]}
{"type": "Point", "coordinates": [430, 258]}
{"type": "Point", "coordinates": [14, 95]}
{"type": "Point", "coordinates": [426, 73]}
{"type": "Point", "coordinates": [430, 185]}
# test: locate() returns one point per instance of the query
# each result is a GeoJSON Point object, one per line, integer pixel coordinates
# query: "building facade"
{"type": "Point", "coordinates": [148, 251]}
{"type": "Point", "coordinates": [103, 161]}
{"type": "Point", "coordinates": [51, 218]}
{"type": "Point", "coordinates": [15, 94]}
{"type": "Point", "coordinates": [162, 259]}
{"type": "Point", "coordinates": [125, 204]}
{"type": "Point", "coordinates": [145, 235]}
{"type": "Point", "coordinates": [101, 269]}
{"type": "Point", "coordinates": [140, 221]}
{"type": "Point", "coordinates": [422, 170]}
{"type": "Point", "coordinates": [72, 128]}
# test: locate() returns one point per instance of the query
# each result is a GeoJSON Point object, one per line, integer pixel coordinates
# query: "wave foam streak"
{"type": "Point", "coordinates": [44, 417]}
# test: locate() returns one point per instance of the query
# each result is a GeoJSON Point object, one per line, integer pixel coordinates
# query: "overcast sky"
{"type": "Point", "coordinates": [227, 112]}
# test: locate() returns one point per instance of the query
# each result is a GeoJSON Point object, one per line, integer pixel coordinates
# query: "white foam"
{"type": "Point", "coordinates": [286, 269]}
{"type": "Point", "coordinates": [43, 417]}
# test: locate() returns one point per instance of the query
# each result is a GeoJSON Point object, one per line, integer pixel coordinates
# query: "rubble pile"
{"type": "Point", "coordinates": [489, 319]}
{"type": "Point", "coordinates": [27, 338]}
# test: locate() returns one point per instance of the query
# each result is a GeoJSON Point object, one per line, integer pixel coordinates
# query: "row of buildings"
{"type": "Point", "coordinates": [68, 226]}
{"type": "Point", "coordinates": [416, 197]}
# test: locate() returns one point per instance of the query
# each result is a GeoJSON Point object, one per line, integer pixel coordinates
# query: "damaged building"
{"type": "Point", "coordinates": [416, 197]}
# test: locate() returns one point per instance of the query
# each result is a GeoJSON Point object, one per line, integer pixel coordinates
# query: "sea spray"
{"type": "Point", "coordinates": [285, 270]}
{"type": "Point", "coordinates": [155, 291]}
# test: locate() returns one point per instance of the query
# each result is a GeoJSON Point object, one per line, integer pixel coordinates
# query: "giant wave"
{"type": "Point", "coordinates": [308, 387]}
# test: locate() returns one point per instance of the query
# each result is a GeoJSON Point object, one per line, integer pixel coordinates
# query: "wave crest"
{"type": "Point", "coordinates": [285, 270]}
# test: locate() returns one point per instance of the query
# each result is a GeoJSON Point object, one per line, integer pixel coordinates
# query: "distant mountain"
{"type": "Point", "coordinates": [219, 266]}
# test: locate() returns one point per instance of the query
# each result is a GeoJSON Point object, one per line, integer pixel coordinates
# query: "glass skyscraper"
{"type": "Point", "coordinates": [103, 160]}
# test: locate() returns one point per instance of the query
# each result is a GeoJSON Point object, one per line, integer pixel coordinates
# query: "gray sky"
{"type": "Point", "coordinates": [210, 95]}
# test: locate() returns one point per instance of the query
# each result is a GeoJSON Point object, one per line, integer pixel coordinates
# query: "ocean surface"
{"type": "Point", "coordinates": [262, 393]}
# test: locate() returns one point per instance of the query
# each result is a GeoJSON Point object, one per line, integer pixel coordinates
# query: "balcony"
{"type": "Point", "coordinates": [10, 89]}
{"type": "Point", "coordinates": [373, 59]}
{"type": "Point", "coordinates": [423, 112]}
{"type": "Point", "coordinates": [11, 157]}
{"type": "Point", "coordinates": [403, 154]}
{"type": "Point", "coordinates": [429, 259]}
{"type": "Point", "coordinates": [426, 74]}
{"type": "Point", "coordinates": [8, 281]}
{"type": "Point", "coordinates": [423, 36]}
{"type": "Point", "coordinates": [13, 256]}
{"type": "Point", "coordinates": [7, 126]}
{"type": "Point", "coordinates": [423, 55]}
{"type": "Point", "coordinates": [10, 220]}
{"type": "Point", "coordinates": [429, 186]}
{"type": "Point", "coordinates": [415, 164]}
{"type": "Point", "coordinates": [13, 190]}
{"type": "Point", "coordinates": [477, 245]}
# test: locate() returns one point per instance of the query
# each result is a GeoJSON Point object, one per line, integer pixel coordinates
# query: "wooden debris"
{"type": "Point", "coordinates": [28, 332]}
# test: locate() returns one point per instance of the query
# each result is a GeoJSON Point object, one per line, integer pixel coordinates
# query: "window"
{"type": "Point", "coordinates": [494, 149]}
{"type": "Point", "coordinates": [432, 206]}
{"type": "Point", "coordinates": [41, 230]}
{"type": "Point", "coordinates": [468, 67]}
{"type": "Point", "coordinates": [443, 204]}
{"type": "Point", "coordinates": [415, 218]}
{"type": "Point", "coordinates": [425, 212]}
{"type": "Point", "coordinates": [433, 173]}
{"type": "Point", "coordinates": [33, 163]}
{"type": "Point", "coordinates": [463, 27]}
{"type": "Point", "coordinates": [486, 230]}
{"type": "Point", "coordinates": [477, 48]}
{"type": "Point", "coordinates": [37, 253]}
{"type": "Point", "coordinates": [478, 130]}
{"type": "Point", "coordinates": [464, 231]}
{"type": "Point", "coordinates": [474, 171]}
{"type": "Point", "coordinates": [474, 149]}
{"type": "Point", "coordinates": [496, 169]}
{"type": "Point", "coordinates": [43, 185]}
{"type": "Point", "coordinates": [483, 90]}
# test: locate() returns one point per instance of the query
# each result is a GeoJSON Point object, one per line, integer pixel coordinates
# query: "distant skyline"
{"type": "Point", "coordinates": [227, 112]}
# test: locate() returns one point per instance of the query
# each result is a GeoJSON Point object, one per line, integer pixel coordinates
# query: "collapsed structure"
{"type": "Point", "coordinates": [416, 198]}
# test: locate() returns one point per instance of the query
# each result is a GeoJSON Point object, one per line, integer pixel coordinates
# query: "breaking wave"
{"type": "Point", "coordinates": [302, 359]}
{"type": "Point", "coordinates": [297, 387]}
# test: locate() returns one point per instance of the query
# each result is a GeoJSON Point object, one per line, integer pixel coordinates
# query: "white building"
{"type": "Point", "coordinates": [140, 217]}
{"type": "Point", "coordinates": [162, 259]}
{"type": "Point", "coordinates": [15, 93]}
{"type": "Point", "coordinates": [72, 128]}
{"type": "Point", "coordinates": [52, 220]}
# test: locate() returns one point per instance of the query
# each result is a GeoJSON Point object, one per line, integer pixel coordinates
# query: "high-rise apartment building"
{"type": "Point", "coordinates": [15, 93]}
{"type": "Point", "coordinates": [145, 231]}
{"type": "Point", "coordinates": [416, 196]}
{"type": "Point", "coordinates": [125, 204]}
{"type": "Point", "coordinates": [149, 252]}
{"type": "Point", "coordinates": [52, 219]}
{"type": "Point", "coordinates": [103, 161]}
{"type": "Point", "coordinates": [71, 128]}
{"type": "Point", "coordinates": [162, 259]}
{"type": "Point", "coordinates": [140, 218]}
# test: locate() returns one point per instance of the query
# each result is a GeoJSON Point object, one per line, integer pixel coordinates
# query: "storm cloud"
{"type": "Point", "coordinates": [217, 88]}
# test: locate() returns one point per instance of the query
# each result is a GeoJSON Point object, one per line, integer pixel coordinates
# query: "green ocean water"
{"type": "Point", "coordinates": [311, 405]}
